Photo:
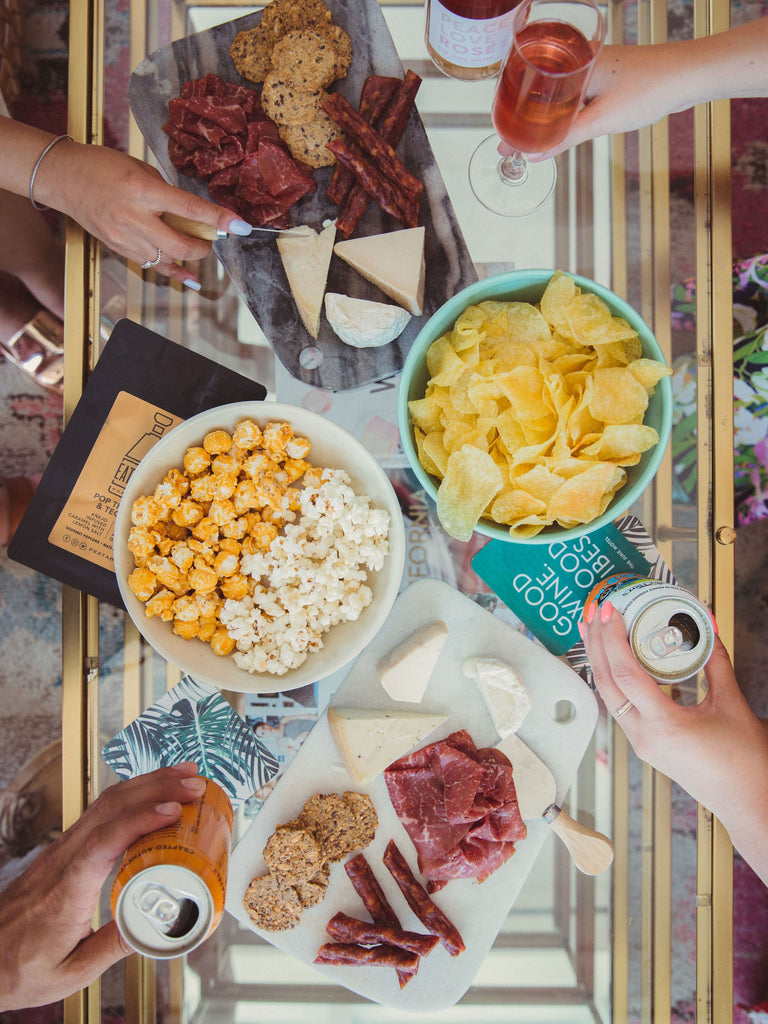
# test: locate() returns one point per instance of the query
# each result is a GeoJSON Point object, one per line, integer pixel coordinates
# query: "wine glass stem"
{"type": "Point", "coordinates": [513, 170]}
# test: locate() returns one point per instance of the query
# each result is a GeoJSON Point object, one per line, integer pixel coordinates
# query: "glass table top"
{"type": "Point", "coordinates": [652, 933]}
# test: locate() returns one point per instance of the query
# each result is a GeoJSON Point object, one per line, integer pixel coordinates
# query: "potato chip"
{"type": "Point", "coordinates": [616, 396]}
{"type": "Point", "coordinates": [586, 496]}
{"type": "Point", "coordinates": [471, 481]}
{"type": "Point", "coordinates": [531, 414]}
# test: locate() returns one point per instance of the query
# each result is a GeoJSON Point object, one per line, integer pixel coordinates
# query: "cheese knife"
{"type": "Point", "coordinates": [591, 851]}
{"type": "Point", "coordinates": [196, 228]}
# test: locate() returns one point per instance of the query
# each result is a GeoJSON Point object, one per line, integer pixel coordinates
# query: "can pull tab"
{"type": "Point", "coordinates": [168, 915]}
{"type": "Point", "coordinates": [664, 641]}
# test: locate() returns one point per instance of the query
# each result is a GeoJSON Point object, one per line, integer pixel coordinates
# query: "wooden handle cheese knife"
{"type": "Point", "coordinates": [591, 851]}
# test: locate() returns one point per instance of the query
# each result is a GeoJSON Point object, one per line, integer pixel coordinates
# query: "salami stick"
{"type": "Point", "coordinates": [369, 140]}
{"type": "Point", "coordinates": [392, 128]}
{"type": "Point", "coordinates": [375, 96]}
{"type": "Point", "coordinates": [344, 928]}
{"type": "Point", "coordinates": [347, 954]}
{"type": "Point", "coordinates": [367, 887]}
{"type": "Point", "coordinates": [430, 915]}
{"type": "Point", "coordinates": [388, 197]}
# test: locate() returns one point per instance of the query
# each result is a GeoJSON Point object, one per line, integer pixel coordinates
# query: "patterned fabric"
{"type": "Point", "coordinates": [750, 391]}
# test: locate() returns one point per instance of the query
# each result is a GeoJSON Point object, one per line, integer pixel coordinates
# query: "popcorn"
{"type": "Point", "coordinates": [254, 550]}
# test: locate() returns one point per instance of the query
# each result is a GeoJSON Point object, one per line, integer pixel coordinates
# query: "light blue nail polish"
{"type": "Point", "coordinates": [239, 227]}
{"type": "Point", "coordinates": [194, 285]}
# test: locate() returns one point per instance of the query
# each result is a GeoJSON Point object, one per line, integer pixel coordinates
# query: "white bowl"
{"type": "Point", "coordinates": [332, 447]}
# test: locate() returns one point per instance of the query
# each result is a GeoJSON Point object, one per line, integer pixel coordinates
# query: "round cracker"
{"type": "Point", "coordinates": [313, 891]}
{"type": "Point", "coordinates": [271, 905]}
{"type": "Point", "coordinates": [332, 822]}
{"type": "Point", "coordinates": [288, 106]}
{"type": "Point", "coordinates": [250, 52]}
{"type": "Point", "coordinates": [305, 59]}
{"type": "Point", "coordinates": [293, 855]}
{"type": "Point", "coordinates": [308, 142]}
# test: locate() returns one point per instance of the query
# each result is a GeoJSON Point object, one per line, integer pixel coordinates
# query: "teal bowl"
{"type": "Point", "coordinates": [528, 286]}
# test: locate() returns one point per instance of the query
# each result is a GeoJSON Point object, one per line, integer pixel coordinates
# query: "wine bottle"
{"type": "Point", "coordinates": [468, 39]}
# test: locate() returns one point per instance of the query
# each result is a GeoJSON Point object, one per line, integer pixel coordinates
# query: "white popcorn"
{"type": "Point", "coordinates": [312, 577]}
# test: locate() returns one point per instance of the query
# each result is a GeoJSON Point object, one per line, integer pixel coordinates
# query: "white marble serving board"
{"type": "Point", "coordinates": [254, 263]}
{"type": "Point", "coordinates": [477, 910]}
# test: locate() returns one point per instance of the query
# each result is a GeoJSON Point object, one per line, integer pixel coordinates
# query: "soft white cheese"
{"type": "Point", "coordinates": [369, 741]}
{"type": "Point", "coordinates": [363, 323]}
{"type": "Point", "coordinates": [405, 671]}
{"type": "Point", "coordinates": [505, 694]}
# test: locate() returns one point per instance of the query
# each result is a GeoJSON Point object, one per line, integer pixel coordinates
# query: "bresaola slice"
{"type": "Point", "coordinates": [459, 807]}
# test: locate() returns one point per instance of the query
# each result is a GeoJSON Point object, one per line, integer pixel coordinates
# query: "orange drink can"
{"type": "Point", "coordinates": [168, 894]}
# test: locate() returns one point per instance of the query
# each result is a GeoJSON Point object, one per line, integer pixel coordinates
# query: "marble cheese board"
{"type": "Point", "coordinates": [253, 263]}
{"type": "Point", "coordinates": [478, 910]}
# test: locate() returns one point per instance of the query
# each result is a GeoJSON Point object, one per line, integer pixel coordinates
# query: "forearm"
{"type": "Point", "coordinates": [21, 146]}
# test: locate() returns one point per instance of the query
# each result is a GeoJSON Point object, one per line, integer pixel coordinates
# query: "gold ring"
{"type": "Point", "coordinates": [625, 707]}
{"type": "Point", "coordinates": [152, 263]}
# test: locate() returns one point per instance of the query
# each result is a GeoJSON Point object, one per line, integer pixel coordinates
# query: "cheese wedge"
{"type": "Point", "coordinates": [306, 256]}
{"type": "Point", "coordinates": [369, 740]}
{"type": "Point", "coordinates": [362, 323]}
{"type": "Point", "coordinates": [506, 696]}
{"type": "Point", "coordinates": [405, 671]}
{"type": "Point", "coordinates": [393, 262]}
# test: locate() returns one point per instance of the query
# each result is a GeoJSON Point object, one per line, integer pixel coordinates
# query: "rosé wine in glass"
{"type": "Point", "coordinates": [540, 90]}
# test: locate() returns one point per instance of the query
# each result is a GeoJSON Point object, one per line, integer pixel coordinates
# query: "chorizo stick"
{"type": "Point", "coordinates": [430, 915]}
{"type": "Point", "coordinates": [388, 197]}
{"type": "Point", "coordinates": [367, 887]}
{"type": "Point", "coordinates": [392, 128]}
{"type": "Point", "coordinates": [375, 96]}
{"type": "Point", "coordinates": [347, 954]}
{"type": "Point", "coordinates": [344, 928]}
{"type": "Point", "coordinates": [369, 140]}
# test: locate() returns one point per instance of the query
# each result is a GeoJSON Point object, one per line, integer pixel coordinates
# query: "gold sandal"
{"type": "Point", "coordinates": [38, 349]}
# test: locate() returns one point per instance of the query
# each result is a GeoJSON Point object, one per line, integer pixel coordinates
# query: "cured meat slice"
{"type": "Point", "coordinates": [367, 887]}
{"type": "Point", "coordinates": [283, 178]}
{"type": "Point", "coordinates": [221, 111]}
{"type": "Point", "coordinates": [459, 806]}
{"type": "Point", "coordinates": [350, 929]}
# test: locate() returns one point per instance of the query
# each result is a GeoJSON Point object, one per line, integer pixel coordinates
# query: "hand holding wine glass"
{"type": "Point", "coordinates": [540, 90]}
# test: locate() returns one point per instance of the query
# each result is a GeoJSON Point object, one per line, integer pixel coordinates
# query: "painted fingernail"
{"type": "Point", "coordinates": [239, 227]}
{"type": "Point", "coordinates": [184, 766]}
{"type": "Point", "coordinates": [714, 624]}
{"type": "Point", "coordinates": [591, 612]}
{"type": "Point", "coordinates": [195, 785]}
{"type": "Point", "coordinates": [580, 626]}
{"type": "Point", "coordinates": [193, 284]}
{"type": "Point", "coordinates": [606, 611]}
{"type": "Point", "coordinates": [170, 808]}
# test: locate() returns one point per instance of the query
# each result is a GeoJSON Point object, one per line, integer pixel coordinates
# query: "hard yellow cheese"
{"type": "Point", "coordinates": [405, 671]}
{"type": "Point", "coordinates": [306, 256]}
{"type": "Point", "coordinates": [393, 262]}
{"type": "Point", "coordinates": [370, 740]}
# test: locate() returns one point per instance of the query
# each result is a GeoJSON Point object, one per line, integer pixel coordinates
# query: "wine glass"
{"type": "Point", "coordinates": [540, 90]}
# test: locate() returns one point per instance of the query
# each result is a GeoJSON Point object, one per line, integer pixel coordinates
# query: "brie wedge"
{"type": "Point", "coordinates": [393, 262]}
{"type": "Point", "coordinates": [363, 323]}
{"type": "Point", "coordinates": [369, 740]}
{"type": "Point", "coordinates": [505, 694]}
{"type": "Point", "coordinates": [405, 671]}
{"type": "Point", "coordinates": [306, 257]}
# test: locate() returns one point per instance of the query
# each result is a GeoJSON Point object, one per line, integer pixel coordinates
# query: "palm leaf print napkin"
{"type": "Point", "coordinates": [193, 722]}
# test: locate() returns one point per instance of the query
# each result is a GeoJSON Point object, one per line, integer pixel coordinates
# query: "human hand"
{"type": "Point", "coordinates": [47, 946]}
{"type": "Point", "coordinates": [119, 200]}
{"type": "Point", "coordinates": [716, 750]}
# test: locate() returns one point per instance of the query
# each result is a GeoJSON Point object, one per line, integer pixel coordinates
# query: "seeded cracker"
{"type": "Point", "coordinates": [365, 816]}
{"type": "Point", "coordinates": [305, 59]}
{"type": "Point", "coordinates": [313, 891]}
{"type": "Point", "coordinates": [271, 905]}
{"type": "Point", "coordinates": [286, 105]}
{"type": "Point", "coordinates": [282, 16]}
{"type": "Point", "coordinates": [334, 823]}
{"type": "Point", "coordinates": [293, 855]}
{"type": "Point", "coordinates": [309, 142]}
{"type": "Point", "coordinates": [251, 54]}
{"type": "Point", "coordinates": [342, 46]}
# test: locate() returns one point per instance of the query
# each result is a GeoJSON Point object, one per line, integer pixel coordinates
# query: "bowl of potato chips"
{"type": "Point", "coordinates": [534, 405]}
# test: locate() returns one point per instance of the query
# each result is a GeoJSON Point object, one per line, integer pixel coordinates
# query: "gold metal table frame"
{"type": "Point", "coordinates": [612, 978]}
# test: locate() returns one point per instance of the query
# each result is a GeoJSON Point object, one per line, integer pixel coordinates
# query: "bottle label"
{"type": "Point", "coordinates": [469, 42]}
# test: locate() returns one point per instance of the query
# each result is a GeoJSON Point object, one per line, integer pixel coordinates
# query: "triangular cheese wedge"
{"type": "Point", "coordinates": [405, 671]}
{"type": "Point", "coordinates": [393, 262]}
{"type": "Point", "coordinates": [306, 256]}
{"type": "Point", "coordinates": [369, 741]}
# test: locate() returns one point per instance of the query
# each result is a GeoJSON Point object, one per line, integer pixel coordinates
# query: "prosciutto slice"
{"type": "Point", "coordinates": [459, 807]}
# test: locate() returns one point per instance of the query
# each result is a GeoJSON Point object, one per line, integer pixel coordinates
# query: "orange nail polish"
{"type": "Point", "coordinates": [606, 611]}
{"type": "Point", "coordinates": [591, 612]}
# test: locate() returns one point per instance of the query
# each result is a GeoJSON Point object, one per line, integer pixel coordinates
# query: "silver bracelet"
{"type": "Point", "coordinates": [36, 168]}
